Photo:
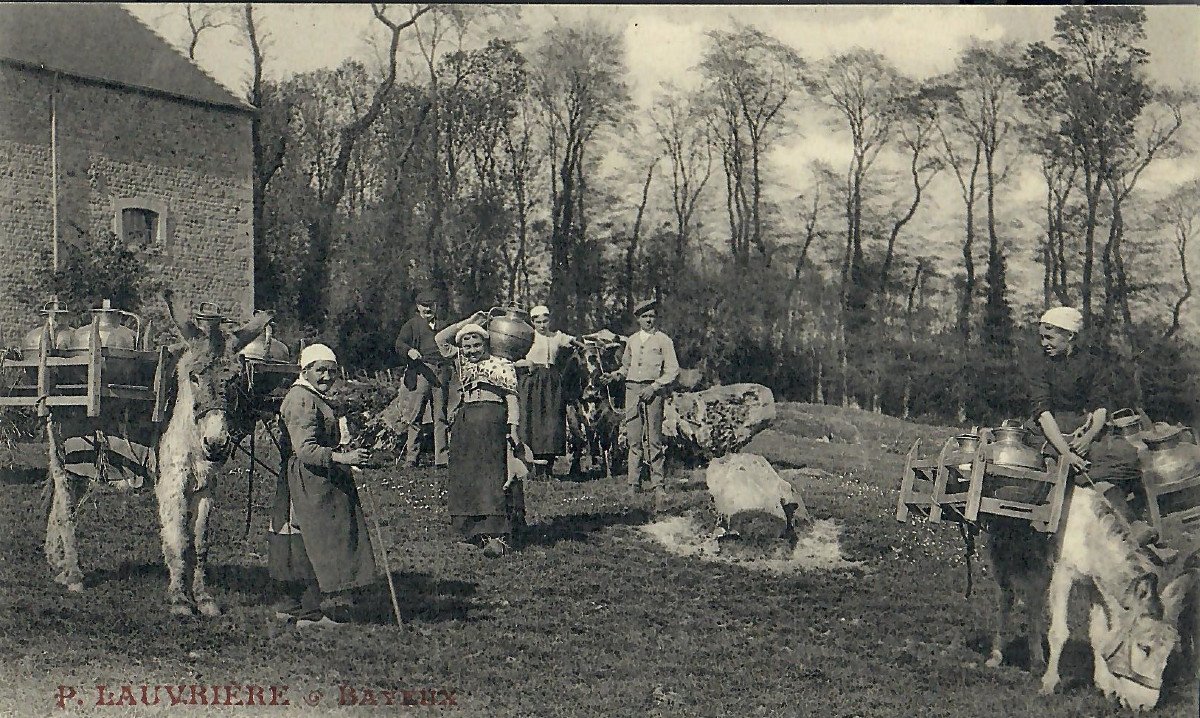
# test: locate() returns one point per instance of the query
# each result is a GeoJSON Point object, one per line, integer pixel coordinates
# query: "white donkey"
{"type": "Point", "coordinates": [204, 420]}
{"type": "Point", "coordinates": [1134, 621]}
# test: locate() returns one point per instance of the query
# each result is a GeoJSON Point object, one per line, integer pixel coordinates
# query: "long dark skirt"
{"type": "Point", "coordinates": [543, 412]}
{"type": "Point", "coordinates": [475, 495]}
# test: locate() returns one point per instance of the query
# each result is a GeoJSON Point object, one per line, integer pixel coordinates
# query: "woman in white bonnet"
{"type": "Point", "coordinates": [318, 541]}
{"type": "Point", "coordinates": [486, 509]}
{"type": "Point", "coordinates": [1071, 392]}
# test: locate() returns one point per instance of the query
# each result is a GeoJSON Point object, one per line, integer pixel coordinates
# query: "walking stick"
{"type": "Point", "coordinates": [372, 516]}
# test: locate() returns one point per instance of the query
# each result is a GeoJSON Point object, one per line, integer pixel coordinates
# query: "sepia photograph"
{"type": "Point", "coordinates": [599, 360]}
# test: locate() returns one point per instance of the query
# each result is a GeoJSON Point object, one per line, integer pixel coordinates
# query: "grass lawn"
{"type": "Point", "coordinates": [591, 619]}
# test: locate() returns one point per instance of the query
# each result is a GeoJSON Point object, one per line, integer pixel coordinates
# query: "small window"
{"type": "Point", "coordinates": [140, 222]}
{"type": "Point", "coordinates": [139, 227]}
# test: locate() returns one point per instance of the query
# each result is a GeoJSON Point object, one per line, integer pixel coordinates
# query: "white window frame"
{"type": "Point", "coordinates": [151, 204]}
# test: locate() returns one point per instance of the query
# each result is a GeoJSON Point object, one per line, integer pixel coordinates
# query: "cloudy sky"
{"type": "Point", "coordinates": [664, 43]}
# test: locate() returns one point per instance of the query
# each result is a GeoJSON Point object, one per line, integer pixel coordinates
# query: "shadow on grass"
{"type": "Point", "coordinates": [577, 527]}
{"type": "Point", "coordinates": [421, 596]}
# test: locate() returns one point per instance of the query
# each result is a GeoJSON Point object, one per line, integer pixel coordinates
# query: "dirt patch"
{"type": "Point", "coordinates": [818, 547]}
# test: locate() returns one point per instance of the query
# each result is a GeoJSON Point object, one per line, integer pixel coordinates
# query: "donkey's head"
{"type": "Point", "coordinates": [1141, 640]}
{"type": "Point", "coordinates": [208, 377]}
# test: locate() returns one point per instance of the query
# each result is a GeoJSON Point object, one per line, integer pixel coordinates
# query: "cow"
{"type": "Point", "coordinates": [595, 410]}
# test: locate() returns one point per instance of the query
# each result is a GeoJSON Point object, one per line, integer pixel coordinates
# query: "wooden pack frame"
{"type": "Point", "coordinates": [934, 488]}
{"type": "Point", "coordinates": [100, 364]}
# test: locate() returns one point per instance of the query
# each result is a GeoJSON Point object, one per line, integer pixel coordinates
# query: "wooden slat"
{"type": "Point", "coordinates": [159, 413]}
{"type": "Point", "coordinates": [123, 353]}
{"type": "Point", "coordinates": [43, 373]}
{"type": "Point", "coordinates": [128, 392]}
{"type": "Point", "coordinates": [95, 370]}
{"type": "Point", "coordinates": [51, 360]}
{"type": "Point", "coordinates": [906, 483]}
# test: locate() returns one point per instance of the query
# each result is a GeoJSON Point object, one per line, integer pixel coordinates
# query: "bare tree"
{"type": "Point", "coordinates": [916, 134]}
{"type": "Point", "coordinates": [315, 276]}
{"type": "Point", "coordinates": [684, 133]}
{"type": "Point", "coordinates": [1181, 209]}
{"type": "Point", "coordinates": [202, 17]}
{"type": "Point", "coordinates": [750, 77]}
{"type": "Point", "coordinates": [581, 89]}
{"type": "Point", "coordinates": [862, 87]}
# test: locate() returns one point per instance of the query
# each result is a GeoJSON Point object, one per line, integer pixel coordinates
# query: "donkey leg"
{"type": "Point", "coordinates": [1003, 613]}
{"type": "Point", "coordinates": [1098, 634]}
{"type": "Point", "coordinates": [200, 505]}
{"type": "Point", "coordinates": [173, 528]}
{"type": "Point", "coordinates": [1057, 598]}
{"type": "Point", "coordinates": [60, 547]}
{"type": "Point", "coordinates": [1035, 605]}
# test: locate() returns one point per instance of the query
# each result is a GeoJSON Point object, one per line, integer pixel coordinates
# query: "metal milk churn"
{"type": "Point", "coordinates": [1127, 424]}
{"type": "Point", "coordinates": [966, 442]}
{"type": "Point", "coordinates": [265, 347]}
{"type": "Point", "coordinates": [108, 326]}
{"type": "Point", "coordinates": [510, 332]}
{"type": "Point", "coordinates": [1171, 454]}
{"type": "Point", "coordinates": [60, 332]}
{"type": "Point", "coordinates": [1010, 448]}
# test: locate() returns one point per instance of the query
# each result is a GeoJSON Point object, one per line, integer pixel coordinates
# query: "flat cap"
{"type": "Point", "coordinates": [426, 297]}
{"type": "Point", "coordinates": [644, 306]}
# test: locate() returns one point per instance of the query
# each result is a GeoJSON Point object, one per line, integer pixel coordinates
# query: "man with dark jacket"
{"type": "Point", "coordinates": [425, 380]}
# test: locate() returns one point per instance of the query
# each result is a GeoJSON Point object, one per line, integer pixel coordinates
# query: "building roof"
{"type": "Point", "coordinates": [103, 42]}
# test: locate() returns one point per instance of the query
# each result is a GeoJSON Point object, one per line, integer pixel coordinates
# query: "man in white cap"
{"type": "Point", "coordinates": [1071, 390]}
{"type": "Point", "coordinates": [649, 367]}
{"type": "Point", "coordinates": [543, 409]}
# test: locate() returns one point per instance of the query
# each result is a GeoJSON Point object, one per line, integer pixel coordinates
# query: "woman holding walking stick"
{"type": "Point", "coordinates": [319, 543]}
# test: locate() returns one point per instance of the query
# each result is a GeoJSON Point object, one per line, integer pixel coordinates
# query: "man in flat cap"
{"type": "Point", "coordinates": [649, 367]}
{"type": "Point", "coordinates": [425, 380]}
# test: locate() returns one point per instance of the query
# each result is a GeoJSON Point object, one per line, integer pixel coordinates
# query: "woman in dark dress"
{"type": "Point", "coordinates": [318, 538]}
{"type": "Point", "coordinates": [486, 508]}
{"type": "Point", "coordinates": [1070, 390]}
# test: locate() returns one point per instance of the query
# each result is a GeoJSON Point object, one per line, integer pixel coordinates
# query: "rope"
{"type": "Point", "coordinates": [968, 532]}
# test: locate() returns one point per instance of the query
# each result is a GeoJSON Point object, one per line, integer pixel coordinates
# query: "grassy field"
{"type": "Point", "coordinates": [593, 618]}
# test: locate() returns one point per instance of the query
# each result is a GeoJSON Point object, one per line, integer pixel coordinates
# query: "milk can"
{"type": "Point", "coordinates": [510, 332]}
{"type": "Point", "coordinates": [967, 443]}
{"type": "Point", "coordinates": [265, 347]}
{"type": "Point", "coordinates": [110, 329]}
{"type": "Point", "coordinates": [1010, 448]}
{"type": "Point", "coordinates": [1171, 454]}
{"type": "Point", "coordinates": [60, 332]}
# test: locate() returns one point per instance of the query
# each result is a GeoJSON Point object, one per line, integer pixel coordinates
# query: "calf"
{"type": "Point", "coordinates": [594, 410]}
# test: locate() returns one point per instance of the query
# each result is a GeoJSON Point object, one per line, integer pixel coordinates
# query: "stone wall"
{"type": "Point", "coordinates": [191, 163]}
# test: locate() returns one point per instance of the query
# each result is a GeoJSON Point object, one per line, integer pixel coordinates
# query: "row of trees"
{"type": "Point", "coordinates": [492, 170]}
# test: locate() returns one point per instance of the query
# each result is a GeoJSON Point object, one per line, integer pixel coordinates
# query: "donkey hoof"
{"type": "Point", "coordinates": [209, 608]}
{"type": "Point", "coordinates": [75, 586]}
{"type": "Point", "coordinates": [996, 659]}
{"type": "Point", "coordinates": [1048, 687]}
{"type": "Point", "coordinates": [182, 610]}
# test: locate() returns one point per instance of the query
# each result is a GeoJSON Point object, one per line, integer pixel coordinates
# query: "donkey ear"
{"type": "Point", "coordinates": [187, 328]}
{"type": "Point", "coordinates": [1174, 596]}
{"type": "Point", "coordinates": [246, 333]}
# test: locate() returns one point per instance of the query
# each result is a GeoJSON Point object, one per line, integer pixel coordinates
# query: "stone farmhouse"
{"type": "Point", "coordinates": [146, 145]}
